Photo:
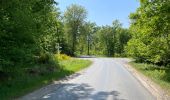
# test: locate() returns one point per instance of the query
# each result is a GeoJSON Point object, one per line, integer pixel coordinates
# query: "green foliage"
{"type": "Point", "coordinates": [86, 41]}
{"type": "Point", "coordinates": [74, 18]}
{"type": "Point", "coordinates": [27, 29]}
{"type": "Point", "coordinates": [111, 40]}
{"type": "Point", "coordinates": [30, 30]}
{"type": "Point", "coordinates": [29, 33]}
{"type": "Point", "coordinates": [75, 64]}
{"type": "Point", "coordinates": [16, 34]}
{"type": "Point", "coordinates": [150, 32]}
{"type": "Point", "coordinates": [160, 75]}
{"type": "Point", "coordinates": [43, 58]}
{"type": "Point", "coordinates": [61, 57]}
{"type": "Point", "coordinates": [28, 80]}
{"type": "Point", "coordinates": [105, 40]}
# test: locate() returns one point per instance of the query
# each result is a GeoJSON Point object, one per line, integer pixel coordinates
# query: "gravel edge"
{"type": "Point", "coordinates": [152, 87]}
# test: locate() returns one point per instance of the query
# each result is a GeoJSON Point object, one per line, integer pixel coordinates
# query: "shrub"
{"type": "Point", "coordinates": [43, 58]}
{"type": "Point", "coordinates": [61, 57]}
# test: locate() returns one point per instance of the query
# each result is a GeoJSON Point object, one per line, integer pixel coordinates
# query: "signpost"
{"type": "Point", "coordinates": [58, 48]}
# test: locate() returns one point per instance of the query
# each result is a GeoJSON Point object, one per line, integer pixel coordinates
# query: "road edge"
{"type": "Point", "coordinates": [37, 94]}
{"type": "Point", "coordinates": [152, 87]}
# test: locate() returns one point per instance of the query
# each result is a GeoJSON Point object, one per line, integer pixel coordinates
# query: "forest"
{"type": "Point", "coordinates": [32, 32]}
{"type": "Point", "coordinates": [150, 29]}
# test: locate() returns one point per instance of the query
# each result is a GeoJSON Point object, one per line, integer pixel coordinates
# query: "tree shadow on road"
{"type": "Point", "coordinates": [80, 92]}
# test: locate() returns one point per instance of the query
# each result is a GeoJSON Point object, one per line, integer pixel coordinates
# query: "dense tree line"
{"type": "Point", "coordinates": [111, 40]}
{"type": "Point", "coordinates": [31, 30]}
{"type": "Point", "coordinates": [86, 38]}
{"type": "Point", "coordinates": [150, 28]}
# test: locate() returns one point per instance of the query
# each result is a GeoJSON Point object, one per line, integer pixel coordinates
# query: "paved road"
{"type": "Point", "coordinates": [106, 79]}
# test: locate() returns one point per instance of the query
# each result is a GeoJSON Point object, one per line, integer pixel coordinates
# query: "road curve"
{"type": "Point", "coordinates": [105, 79]}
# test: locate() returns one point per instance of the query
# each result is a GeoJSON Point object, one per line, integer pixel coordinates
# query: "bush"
{"type": "Point", "coordinates": [46, 64]}
{"type": "Point", "coordinates": [61, 57]}
{"type": "Point", "coordinates": [43, 58]}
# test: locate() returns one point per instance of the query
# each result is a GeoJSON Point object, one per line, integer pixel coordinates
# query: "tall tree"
{"type": "Point", "coordinates": [25, 27]}
{"type": "Point", "coordinates": [16, 33]}
{"type": "Point", "coordinates": [74, 18]}
{"type": "Point", "coordinates": [111, 40]}
{"type": "Point", "coordinates": [150, 29]}
{"type": "Point", "coordinates": [86, 38]}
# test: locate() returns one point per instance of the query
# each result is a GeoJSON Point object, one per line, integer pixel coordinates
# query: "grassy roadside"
{"type": "Point", "coordinates": [159, 75]}
{"type": "Point", "coordinates": [24, 83]}
{"type": "Point", "coordinates": [75, 65]}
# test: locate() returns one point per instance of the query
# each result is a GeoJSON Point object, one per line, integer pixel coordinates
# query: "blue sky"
{"type": "Point", "coordinates": [103, 12]}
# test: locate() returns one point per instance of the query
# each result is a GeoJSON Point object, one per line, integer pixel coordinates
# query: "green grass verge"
{"type": "Point", "coordinates": [24, 83]}
{"type": "Point", "coordinates": [75, 65]}
{"type": "Point", "coordinates": [159, 75]}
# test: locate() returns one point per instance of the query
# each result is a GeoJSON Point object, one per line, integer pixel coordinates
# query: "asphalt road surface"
{"type": "Point", "coordinates": [105, 79]}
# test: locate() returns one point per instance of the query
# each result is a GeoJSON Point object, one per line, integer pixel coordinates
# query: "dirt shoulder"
{"type": "Point", "coordinates": [155, 89]}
